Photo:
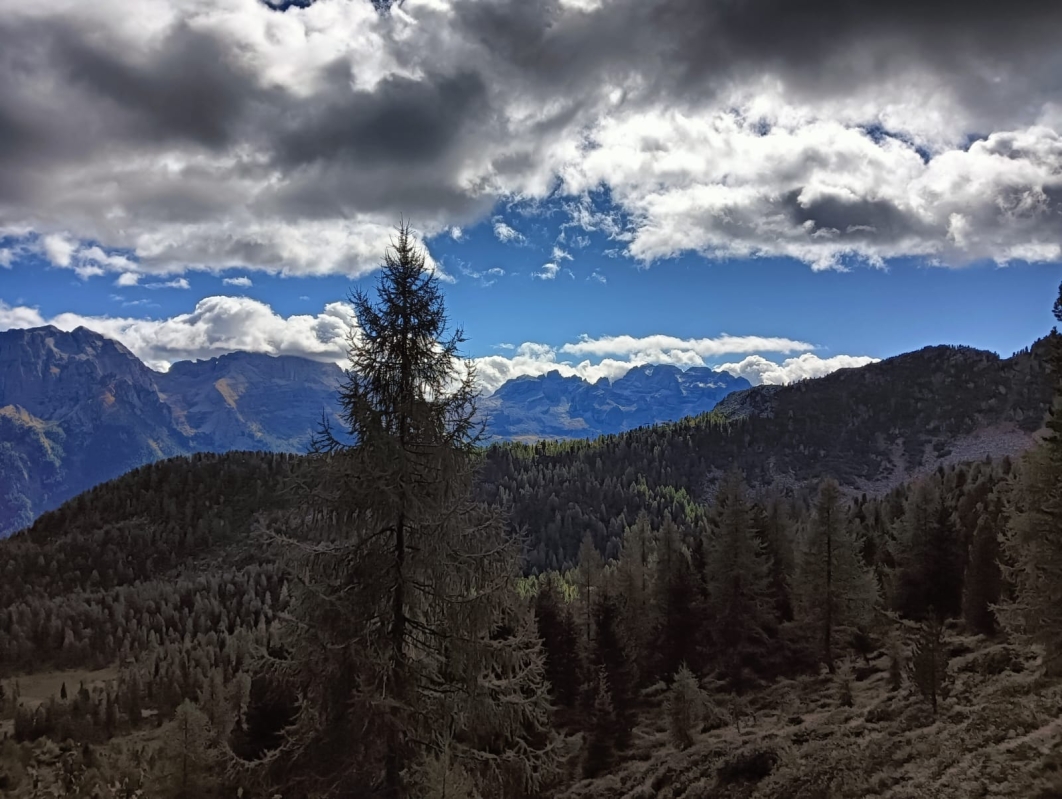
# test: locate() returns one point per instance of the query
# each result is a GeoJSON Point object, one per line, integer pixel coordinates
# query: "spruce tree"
{"type": "Point", "coordinates": [405, 633]}
{"type": "Point", "coordinates": [834, 587]}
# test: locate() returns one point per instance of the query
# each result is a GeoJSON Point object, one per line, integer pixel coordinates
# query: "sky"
{"type": "Point", "coordinates": [778, 188]}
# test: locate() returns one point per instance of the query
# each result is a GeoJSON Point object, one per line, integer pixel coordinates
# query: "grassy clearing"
{"type": "Point", "coordinates": [37, 688]}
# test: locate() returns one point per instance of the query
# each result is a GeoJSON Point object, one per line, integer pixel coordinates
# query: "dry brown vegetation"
{"type": "Point", "coordinates": [998, 733]}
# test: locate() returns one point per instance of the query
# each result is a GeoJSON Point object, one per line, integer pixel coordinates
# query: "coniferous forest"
{"type": "Point", "coordinates": [732, 605]}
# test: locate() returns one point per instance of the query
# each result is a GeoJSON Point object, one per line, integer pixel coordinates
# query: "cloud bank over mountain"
{"type": "Point", "coordinates": [208, 134]}
{"type": "Point", "coordinates": [220, 324]}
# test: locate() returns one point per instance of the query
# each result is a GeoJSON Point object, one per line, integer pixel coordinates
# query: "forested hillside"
{"type": "Point", "coordinates": [77, 408]}
{"type": "Point", "coordinates": [803, 594]}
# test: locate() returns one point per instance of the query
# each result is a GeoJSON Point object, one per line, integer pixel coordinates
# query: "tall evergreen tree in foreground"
{"type": "Point", "coordinates": [1033, 541]}
{"type": "Point", "coordinates": [406, 640]}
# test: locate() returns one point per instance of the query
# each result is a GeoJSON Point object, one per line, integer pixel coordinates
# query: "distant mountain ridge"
{"type": "Point", "coordinates": [553, 406]}
{"type": "Point", "coordinates": [77, 408]}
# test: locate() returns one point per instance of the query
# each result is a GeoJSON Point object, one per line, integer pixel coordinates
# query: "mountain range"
{"type": "Point", "coordinates": [77, 409]}
{"type": "Point", "coordinates": [552, 406]}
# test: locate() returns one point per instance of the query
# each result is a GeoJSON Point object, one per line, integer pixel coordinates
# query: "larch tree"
{"type": "Point", "coordinates": [930, 556]}
{"type": "Point", "coordinates": [983, 581]}
{"type": "Point", "coordinates": [634, 585]}
{"type": "Point", "coordinates": [740, 608]}
{"type": "Point", "coordinates": [188, 758]}
{"type": "Point", "coordinates": [675, 593]}
{"type": "Point", "coordinates": [834, 587]}
{"type": "Point", "coordinates": [588, 576]}
{"type": "Point", "coordinates": [405, 638]}
{"type": "Point", "coordinates": [1032, 543]}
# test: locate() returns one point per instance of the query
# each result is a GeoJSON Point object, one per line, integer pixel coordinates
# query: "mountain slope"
{"type": "Point", "coordinates": [77, 409]}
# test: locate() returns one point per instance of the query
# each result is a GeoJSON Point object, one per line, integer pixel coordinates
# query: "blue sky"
{"type": "Point", "coordinates": [214, 177]}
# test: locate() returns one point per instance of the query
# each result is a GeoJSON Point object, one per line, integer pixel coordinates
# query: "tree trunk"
{"type": "Point", "coordinates": [828, 643]}
{"type": "Point", "coordinates": [393, 765]}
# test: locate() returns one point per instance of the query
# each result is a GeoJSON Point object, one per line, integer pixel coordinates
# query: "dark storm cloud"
{"type": "Point", "coordinates": [189, 140]}
{"type": "Point", "coordinates": [401, 122]}
{"type": "Point", "coordinates": [190, 87]}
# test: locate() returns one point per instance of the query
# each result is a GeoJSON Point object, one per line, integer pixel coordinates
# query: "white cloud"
{"type": "Point", "coordinates": [757, 369]}
{"type": "Point", "coordinates": [176, 283]}
{"type": "Point", "coordinates": [505, 233]}
{"type": "Point", "coordinates": [7, 257]}
{"type": "Point", "coordinates": [219, 325]}
{"type": "Point", "coordinates": [456, 233]}
{"type": "Point", "coordinates": [700, 347]}
{"type": "Point", "coordinates": [600, 278]}
{"type": "Point", "coordinates": [127, 279]}
{"type": "Point", "coordinates": [242, 281]}
{"type": "Point", "coordinates": [58, 249]}
{"type": "Point", "coordinates": [19, 316]}
{"type": "Point", "coordinates": [549, 272]}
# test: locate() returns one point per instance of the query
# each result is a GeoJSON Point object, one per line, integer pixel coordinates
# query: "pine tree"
{"type": "Point", "coordinates": [739, 601]}
{"type": "Point", "coordinates": [928, 667]}
{"type": "Point", "coordinates": [404, 623]}
{"type": "Point", "coordinates": [835, 588]}
{"type": "Point", "coordinates": [685, 708]}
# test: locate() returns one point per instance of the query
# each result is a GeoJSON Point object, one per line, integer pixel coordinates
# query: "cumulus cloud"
{"type": "Point", "coordinates": [699, 347]}
{"type": "Point", "coordinates": [226, 133]}
{"type": "Point", "coordinates": [757, 369]}
{"type": "Point", "coordinates": [127, 279]}
{"type": "Point", "coordinates": [219, 325]}
{"type": "Point", "coordinates": [242, 281]}
{"type": "Point", "coordinates": [216, 326]}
